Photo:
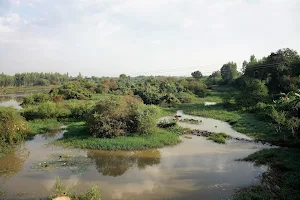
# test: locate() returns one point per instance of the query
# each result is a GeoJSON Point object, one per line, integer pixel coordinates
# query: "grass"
{"type": "Point", "coordinates": [282, 181]}
{"type": "Point", "coordinates": [59, 190]}
{"type": "Point", "coordinates": [41, 126]}
{"type": "Point", "coordinates": [218, 138]}
{"type": "Point", "coordinates": [77, 136]}
{"type": "Point", "coordinates": [240, 121]}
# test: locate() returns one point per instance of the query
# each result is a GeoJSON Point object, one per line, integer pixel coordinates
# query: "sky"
{"type": "Point", "coordinates": [142, 37]}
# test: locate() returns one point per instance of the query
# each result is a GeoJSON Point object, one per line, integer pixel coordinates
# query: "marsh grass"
{"type": "Point", "coordinates": [59, 189]}
{"type": "Point", "coordinates": [284, 174]}
{"type": "Point", "coordinates": [41, 126]}
{"type": "Point", "coordinates": [77, 136]}
{"type": "Point", "coordinates": [218, 137]}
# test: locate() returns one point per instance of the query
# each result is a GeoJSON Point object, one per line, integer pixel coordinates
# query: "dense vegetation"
{"type": "Point", "coordinates": [262, 101]}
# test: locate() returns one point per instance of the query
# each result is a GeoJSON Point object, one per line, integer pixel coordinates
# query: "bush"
{"type": "Point", "coordinates": [80, 109]}
{"type": "Point", "coordinates": [45, 110]}
{"type": "Point", "coordinates": [198, 88]}
{"type": "Point", "coordinates": [116, 116]}
{"type": "Point", "coordinates": [13, 127]}
{"type": "Point", "coordinates": [145, 117]}
{"type": "Point", "coordinates": [169, 100]}
{"type": "Point", "coordinates": [35, 99]}
{"type": "Point", "coordinates": [185, 97]}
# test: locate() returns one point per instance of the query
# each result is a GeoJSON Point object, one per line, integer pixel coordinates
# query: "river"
{"type": "Point", "coordinates": [194, 169]}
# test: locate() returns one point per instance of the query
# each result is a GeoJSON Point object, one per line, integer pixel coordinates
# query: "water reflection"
{"type": "Point", "coordinates": [9, 102]}
{"type": "Point", "coordinates": [12, 162]}
{"type": "Point", "coordinates": [116, 163]}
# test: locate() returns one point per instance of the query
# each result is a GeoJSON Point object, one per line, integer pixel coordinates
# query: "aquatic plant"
{"type": "Point", "coordinates": [218, 137]}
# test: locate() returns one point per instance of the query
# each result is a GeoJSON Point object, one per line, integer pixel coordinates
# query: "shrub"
{"type": "Point", "coordinates": [116, 116]}
{"type": "Point", "coordinates": [45, 110]}
{"type": "Point", "coordinates": [185, 97]}
{"type": "Point", "coordinates": [13, 127]}
{"type": "Point", "coordinates": [80, 109]}
{"type": "Point", "coordinates": [169, 100]}
{"type": "Point", "coordinates": [35, 99]}
{"type": "Point", "coordinates": [146, 118]}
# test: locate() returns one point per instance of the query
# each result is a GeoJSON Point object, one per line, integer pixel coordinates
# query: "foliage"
{"type": "Point", "coordinates": [280, 70]}
{"type": "Point", "coordinates": [116, 116]}
{"type": "Point", "coordinates": [13, 127]}
{"type": "Point", "coordinates": [197, 87]}
{"type": "Point", "coordinates": [79, 109]}
{"type": "Point", "coordinates": [197, 75]}
{"type": "Point", "coordinates": [32, 79]}
{"type": "Point", "coordinates": [253, 92]}
{"type": "Point", "coordinates": [229, 72]}
{"type": "Point", "coordinates": [214, 79]}
{"type": "Point", "coordinates": [45, 110]}
{"type": "Point", "coordinates": [35, 99]}
{"type": "Point", "coordinates": [185, 97]}
{"type": "Point", "coordinates": [74, 90]}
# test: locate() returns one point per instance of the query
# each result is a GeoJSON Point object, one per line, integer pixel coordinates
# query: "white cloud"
{"type": "Point", "coordinates": [133, 36]}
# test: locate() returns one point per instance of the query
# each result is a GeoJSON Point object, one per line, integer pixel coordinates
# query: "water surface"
{"type": "Point", "coordinates": [194, 169]}
{"type": "Point", "coordinates": [11, 102]}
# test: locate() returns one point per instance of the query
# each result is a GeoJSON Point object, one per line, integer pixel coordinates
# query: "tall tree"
{"type": "Point", "coordinates": [229, 72]}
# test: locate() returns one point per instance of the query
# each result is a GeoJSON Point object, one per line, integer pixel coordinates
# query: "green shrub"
{"type": "Point", "coordinates": [13, 127]}
{"type": "Point", "coordinates": [146, 118]}
{"type": "Point", "coordinates": [185, 97]}
{"type": "Point", "coordinates": [116, 116]}
{"type": "Point", "coordinates": [35, 99]}
{"type": "Point", "coordinates": [45, 110]}
{"type": "Point", "coordinates": [169, 100]}
{"type": "Point", "coordinates": [80, 109]}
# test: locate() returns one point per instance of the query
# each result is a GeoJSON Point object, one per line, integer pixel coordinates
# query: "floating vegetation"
{"type": "Point", "coordinates": [187, 137]}
{"type": "Point", "coordinates": [190, 121]}
{"type": "Point", "coordinates": [218, 137]}
{"type": "Point", "coordinates": [64, 161]}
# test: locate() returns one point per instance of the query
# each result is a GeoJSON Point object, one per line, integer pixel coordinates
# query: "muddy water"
{"type": "Point", "coordinates": [194, 169]}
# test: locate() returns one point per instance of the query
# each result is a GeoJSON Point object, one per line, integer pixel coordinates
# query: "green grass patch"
{"type": "Point", "coordinates": [284, 174]}
{"type": "Point", "coordinates": [218, 138]}
{"type": "Point", "coordinates": [41, 126]}
{"type": "Point", "coordinates": [77, 136]}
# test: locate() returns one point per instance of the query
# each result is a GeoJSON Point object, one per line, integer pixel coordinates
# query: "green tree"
{"type": "Point", "coordinates": [197, 75]}
{"type": "Point", "coordinates": [253, 92]}
{"type": "Point", "coordinates": [229, 72]}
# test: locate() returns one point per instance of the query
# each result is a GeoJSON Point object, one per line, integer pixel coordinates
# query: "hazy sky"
{"type": "Point", "coordinates": [169, 37]}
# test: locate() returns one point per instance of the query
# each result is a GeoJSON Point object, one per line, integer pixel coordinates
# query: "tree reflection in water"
{"type": "Point", "coordinates": [116, 163]}
{"type": "Point", "coordinates": [12, 163]}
